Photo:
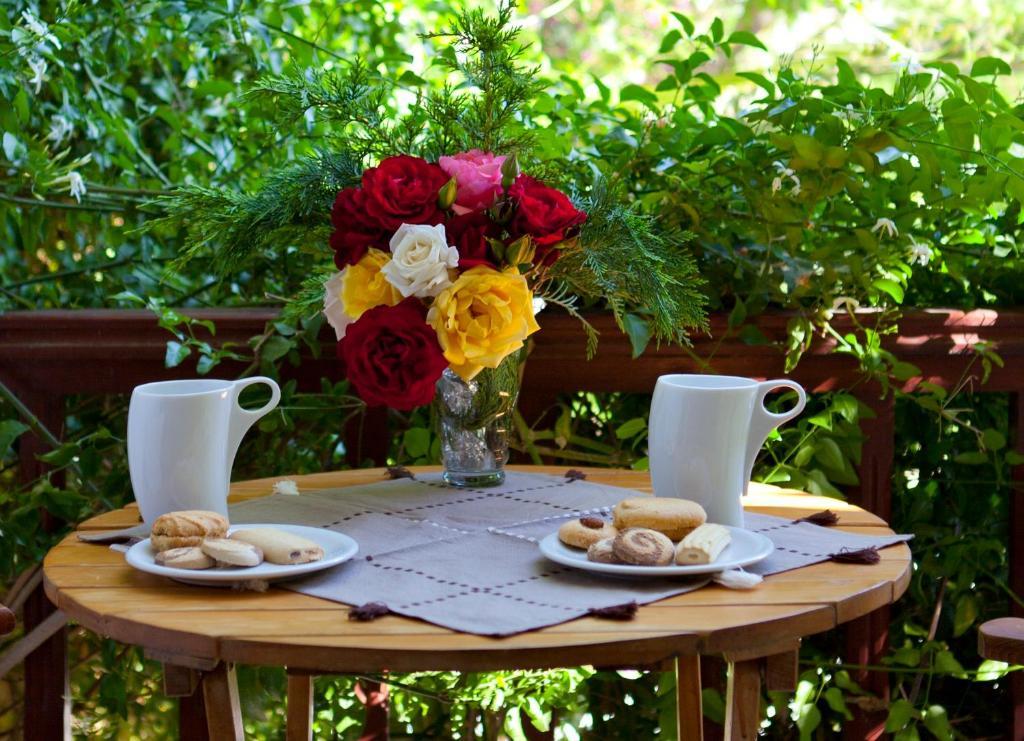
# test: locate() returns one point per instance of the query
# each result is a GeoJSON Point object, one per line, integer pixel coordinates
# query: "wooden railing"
{"type": "Point", "coordinates": [46, 356]}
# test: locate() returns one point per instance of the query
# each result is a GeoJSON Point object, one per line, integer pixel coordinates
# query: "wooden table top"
{"type": "Point", "coordinates": [94, 586]}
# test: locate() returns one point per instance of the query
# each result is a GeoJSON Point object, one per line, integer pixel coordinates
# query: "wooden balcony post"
{"type": "Point", "coordinates": [867, 638]}
{"type": "Point", "coordinates": [1016, 551]}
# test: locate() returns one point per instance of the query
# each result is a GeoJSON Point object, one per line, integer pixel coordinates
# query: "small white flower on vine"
{"type": "Point", "coordinates": [887, 227]}
{"type": "Point", "coordinates": [783, 170]}
{"type": "Point", "coordinates": [845, 302]}
{"type": "Point", "coordinates": [35, 25]}
{"type": "Point", "coordinates": [60, 129]}
{"type": "Point", "coordinates": [538, 305]}
{"type": "Point", "coordinates": [76, 185]}
{"type": "Point", "coordinates": [38, 67]}
{"type": "Point", "coordinates": [920, 253]}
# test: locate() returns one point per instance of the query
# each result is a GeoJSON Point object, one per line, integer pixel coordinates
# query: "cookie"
{"type": "Point", "coordinates": [190, 557]}
{"type": "Point", "coordinates": [673, 517]}
{"type": "Point", "coordinates": [232, 552]}
{"type": "Point", "coordinates": [603, 551]}
{"type": "Point", "coordinates": [186, 528]}
{"type": "Point", "coordinates": [280, 546]}
{"type": "Point", "coordinates": [643, 547]}
{"type": "Point", "coordinates": [586, 531]}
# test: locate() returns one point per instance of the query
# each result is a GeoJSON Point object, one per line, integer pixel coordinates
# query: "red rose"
{"type": "Point", "coordinates": [469, 233]}
{"type": "Point", "coordinates": [392, 356]}
{"type": "Point", "coordinates": [353, 233]}
{"type": "Point", "coordinates": [403, 190]}
{"type": "Point", "coordinates": [544, 213]}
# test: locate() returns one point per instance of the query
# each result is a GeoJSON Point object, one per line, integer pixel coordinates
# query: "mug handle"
{"type": "Point", "coordinates": [241, 418]}
{"type": "Point", "coordinates": [763, 422]}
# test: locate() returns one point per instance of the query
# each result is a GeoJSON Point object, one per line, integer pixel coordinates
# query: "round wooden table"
{"type": "Point", "coordinates": [200, 633]}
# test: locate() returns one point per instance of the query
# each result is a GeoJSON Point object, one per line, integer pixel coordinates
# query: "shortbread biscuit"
{"type": "Point", "coordinates": [191, 557]}
{"type": "Point", "coordinates": [643, 547]}
{"type": "Point", "coordinates": [232, 552]}
{"type": "Point", "coordinates": [676, 518]}
{"type": "Point", "coordinates": [280, 546]}
{"type": "Point", "coordinates": [586, 531]}
{"type": "Point", "coordinates": [603, 551]}
{"type": "Point", "coordinates": [186, 528]}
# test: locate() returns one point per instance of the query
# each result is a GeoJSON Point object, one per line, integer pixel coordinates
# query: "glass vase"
{"type": "Point", "coordinates": [474, 420]}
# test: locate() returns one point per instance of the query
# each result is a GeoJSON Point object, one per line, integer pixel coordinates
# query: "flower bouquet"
{"type": "Point", "coordinates": [437, 267]}
{"type": "Point", "coordinates": [444, 250]}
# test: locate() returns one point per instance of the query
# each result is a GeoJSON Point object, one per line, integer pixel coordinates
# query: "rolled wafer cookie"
{"type": "Point", "coordinates": [232, 552]}
{"type": "Point", "coordinates": [280, 546]}
{"type": "Point", "coordinates": [189, 557]}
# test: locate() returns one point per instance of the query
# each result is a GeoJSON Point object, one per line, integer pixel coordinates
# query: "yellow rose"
{"type": "Point", "coordinates": [482, 318]}
{"type": "Point", "coordinates": [364, 286]}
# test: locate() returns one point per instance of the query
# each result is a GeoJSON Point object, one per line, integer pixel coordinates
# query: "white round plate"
{"type": "Point", "coordinates": [338, 548]}
{"type": "Point", "coordinates": [746, 547]}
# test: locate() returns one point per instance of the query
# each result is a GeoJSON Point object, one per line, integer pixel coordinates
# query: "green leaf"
{"type": "Point", "coordinates": [965, 615]}
{"type": "Point", "coordinates": [669, 41]}
{"type": "Point", "coordinates": [176, 353]}
{"type": "Point", "coordinates": [10, 146]}
{"type": "Point", "coordinates": [685, 22]}
{"type": "Point", "coordinates": [631, 428]}
{"type": "Point", "coordinates": [274, 348]}
{"type": "Point", "coordinates": [945, 661]}
{"type": "Point", "coordinates": [900, 713]}
{"type": "Point", "coordinates": [993, 440]}
{"type": "Point", "coordinates": [10, 430]}
{"type": "Point", "coordinates": [990, 670]}
{"type": "Point", "coordinates": [936, 721]}
{"type": "Point", "coordinates": [416, 441]}
{"type": "Point", "coordinates": [61, 456]}
{"type": "Point", "coordinates": [717, 30]}
{"type": "Point", "coordinates": [808, 722]}
{"type": "Point", "coordinates": [986, 66]}
{"type": "Point", "coordinates": [891, 287]}
{"type": "Point", "coordinates": [640, 94]}
{"type": "Point", "coordinates": [746, 39]}
{"type": "Point", "coordinates": [760, 80]}
{"type": "Point", "coordinates": [827, 451]}
{"type": "Point", "coordinates": [638, 330]}
{"type": "Point", "coordinates": [971, 458]}
{"type": "Point", "coordinates": [836, 701]}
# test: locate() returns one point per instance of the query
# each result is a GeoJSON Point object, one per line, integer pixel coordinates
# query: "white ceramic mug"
{"type": "Point", "coordinates": [704, 434]}
{"type": "Point", "coordinates": [182, 440]}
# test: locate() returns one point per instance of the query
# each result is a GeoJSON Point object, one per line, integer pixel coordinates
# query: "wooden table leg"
{"type": "Point", "coordinates": [223, 713]}
{"type": "Point", "coordinates": [300, 707]}
{"type": "Point", "coordinates": [689, 713]}
{"type": "Point", "coordinates": [743, 700]}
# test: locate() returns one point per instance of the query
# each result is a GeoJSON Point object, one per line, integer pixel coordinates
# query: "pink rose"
{"type": "Point", "coordinates": [478, 177]}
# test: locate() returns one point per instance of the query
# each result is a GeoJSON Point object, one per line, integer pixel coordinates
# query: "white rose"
{"type": "Point", "coordinates": [333, 309]}
{"type": "Point", "coordinates": [420, 260]}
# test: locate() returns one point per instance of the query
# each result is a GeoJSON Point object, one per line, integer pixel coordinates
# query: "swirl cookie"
{"type": "Point", "coordinates": [675, 518]}
{"type": "Point", "coordinates": [586, 531]}
{"type": "Point", "coordinates": [644, 547]}
{"type": "Point", "coordinates": [603, 551]}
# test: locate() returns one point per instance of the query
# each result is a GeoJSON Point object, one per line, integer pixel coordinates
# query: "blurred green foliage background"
{"type": "Point", "coordinates": [109, 104]}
